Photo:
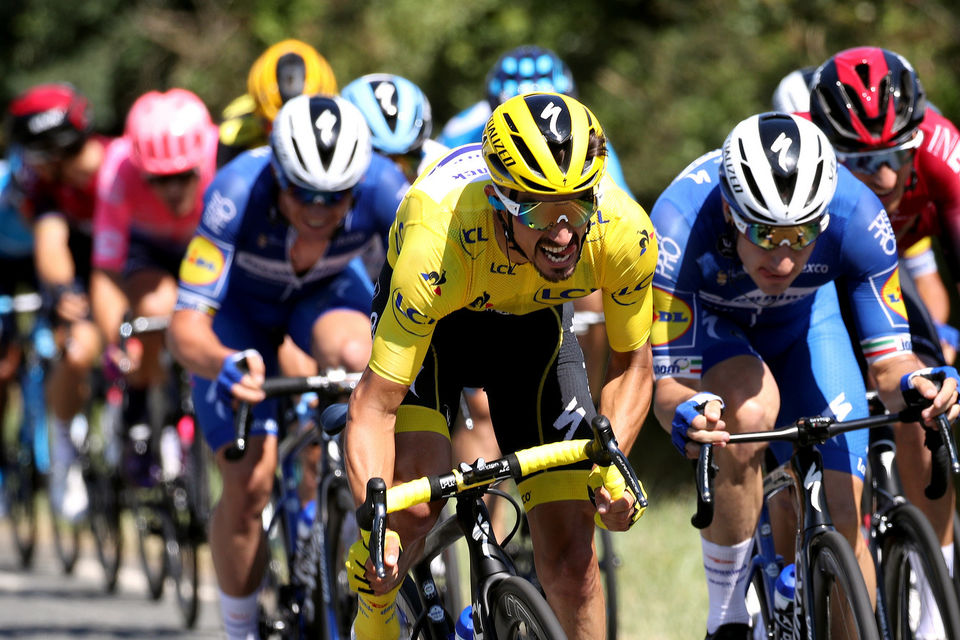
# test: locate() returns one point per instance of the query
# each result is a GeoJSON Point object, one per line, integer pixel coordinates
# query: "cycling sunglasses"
{"type": "Point", "coordinates": [161, 180]}
{"type": "Point", "coordinates": [870, 162]}
{"type": "Point", "coordinates": [540, 215]}
{"type": "Point", "coordinates": [769, 237]}
{"type": "Point", "coordinates": [309, 196]}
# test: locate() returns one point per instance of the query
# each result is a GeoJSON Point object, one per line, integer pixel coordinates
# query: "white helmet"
{"type": "Point", "coordinates": [778, 169]}
{"type": "Point", "coordinates": [320, 143]}
{"type": "Point", "coordinates": [792, 95]}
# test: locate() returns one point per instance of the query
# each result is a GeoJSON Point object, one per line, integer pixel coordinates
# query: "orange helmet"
{"type": "Point", "coordinates": [287, 69]}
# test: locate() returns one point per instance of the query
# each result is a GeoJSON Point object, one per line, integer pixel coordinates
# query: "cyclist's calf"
{"type": "Point", "coordinates": [248, 482]}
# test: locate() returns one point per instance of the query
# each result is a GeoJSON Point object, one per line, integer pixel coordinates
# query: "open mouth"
{"type": "Point", "coordinates": [559, 257]}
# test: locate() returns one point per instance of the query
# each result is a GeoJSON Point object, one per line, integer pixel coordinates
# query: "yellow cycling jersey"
{"type": "Point", "coordinates": [445, 257]}
{"type": "Point", "coordinates": [242, 128]}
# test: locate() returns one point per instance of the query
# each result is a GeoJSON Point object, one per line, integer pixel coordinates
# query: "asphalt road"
{"type": "Point", "coordinates": [42, 602]}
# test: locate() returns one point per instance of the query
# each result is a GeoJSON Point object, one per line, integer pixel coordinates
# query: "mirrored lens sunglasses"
{"type": "Point", "coordinates": [309, 196]}
{"type": "Point", "coordinates": [769, 237]}
{"type": "Point", "coordinates": [540, 215]}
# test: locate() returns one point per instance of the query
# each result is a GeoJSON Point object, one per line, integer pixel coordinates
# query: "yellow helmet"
{"type": "Point", "coordinates": [287, 69]}
{"type": "Point", "coordinates": [541, 143]}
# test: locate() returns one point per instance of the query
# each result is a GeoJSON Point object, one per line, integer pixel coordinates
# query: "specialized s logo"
{"type": "Point", "coordinates": [481, 302]}
{"type": "Point", "coordinates": [672, 318]}
{"type": "Point", "coordinates": [551, 112]}
{"type": "Point", "coordinates": [892, 296]}
{"type": "Point", "coordinates": [410, 319]}
{"type": "Point", "coordinates": [435, 279]}
{"type": "Point", "coordinates": [202, 262]}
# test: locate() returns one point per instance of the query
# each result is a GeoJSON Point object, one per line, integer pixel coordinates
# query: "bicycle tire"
{"type": "Point", "coordinates": [906, 546]}
{"type": "Point", "coordinates": [340, 531]}
{"type": "Point", "coordinates": [609, 562]}
{"type": "Point", "coordinates": [66, 541]}
{"type": "Point", "coordinates": [761, 611]}
{"type": "Point", "coordinates": [154, 529]}
{"type": "Point", "coordinates": [518, 610]}
{"type": "Point", "coordinates": [104, 492]}
{"type": "Point", "coordinates": [833, 564]}
{"type": "Point", "coordinates": [20, 484]}
{"type": "Point", "coordinates": [186, 578]}
{"type": "Point", "coordinates": [410, 612]}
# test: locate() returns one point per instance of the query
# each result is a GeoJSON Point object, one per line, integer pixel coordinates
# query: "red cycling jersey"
{"type": "Point", "coordinates": [126, 203]}
{"type": "Point", "coordinates": [931, 201]}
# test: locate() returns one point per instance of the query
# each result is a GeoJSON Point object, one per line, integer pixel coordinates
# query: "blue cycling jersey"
{"type": "Point", "coordinates": [242, 244]}
{"type": "Point", "coordinates": [707, 309]}
{"type": "Point", "coordinates": [16, 240]}
{"type": "Point", "coordinates": [467, 127]}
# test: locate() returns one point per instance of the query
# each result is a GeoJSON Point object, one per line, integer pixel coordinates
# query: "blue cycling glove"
{"type": "Point", "coordinates": [684, 415]}
{"type": "Point", "coordinates": [949, 335]}
{"type": "Point", "coordinates": [233, 369]}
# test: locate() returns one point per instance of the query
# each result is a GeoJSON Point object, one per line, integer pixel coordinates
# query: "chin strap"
{"type": "Point", "coordinates": [507, 226]}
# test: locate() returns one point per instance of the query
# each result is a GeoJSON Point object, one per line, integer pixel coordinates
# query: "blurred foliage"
{"type": "Point", "coordinates": [667, 78]}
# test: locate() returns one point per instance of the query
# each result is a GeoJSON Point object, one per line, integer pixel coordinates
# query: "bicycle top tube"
{"type": "Point", "coordinates": [144, 324]}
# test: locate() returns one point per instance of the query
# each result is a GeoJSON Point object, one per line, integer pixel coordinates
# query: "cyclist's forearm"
{"type": "Point", "coordinates": [625, 398]}
{"type": "Point", "coordinates": [934, 295]}
{"type": "Point", "coordinates": [193, 343]}
{"type": "Point", "coordinates": [669, 393]}
{"type": "Point", "coordinates": [369, 436]}
{"type": "Point", "coordinates": [108, 302]}
{"type": "Point", "coordinates": [887, 374]}
{"type": "Point", "coordinates": [52, 256]}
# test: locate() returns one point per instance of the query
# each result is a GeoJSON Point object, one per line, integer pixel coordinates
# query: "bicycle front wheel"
{"type": "Point", "coordinates": [20, 483]}
{"type": "Point", "coordinates": [911, 562]}
{"type": "Point", "coordinates": [104, 491]}
{"type": "Point", "coordinates": [609, 562]}
{"type": "Point", "coordinates": [155, 529]}
{"type": "Point", "coordinates": [518, 610]}
{"type": "Point", "coordinates": [841, 606]}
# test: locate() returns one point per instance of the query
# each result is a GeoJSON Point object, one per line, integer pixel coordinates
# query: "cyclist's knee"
{"type": "Point", "coordinates": [82, 347]}
{"type": "Point", "coordinates": [569, 569]}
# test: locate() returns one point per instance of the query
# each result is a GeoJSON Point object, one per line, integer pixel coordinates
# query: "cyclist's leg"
{"type": "Point", "coordinates": [824, 379]}
{"type": "Point", "coordinates": [544, 397]}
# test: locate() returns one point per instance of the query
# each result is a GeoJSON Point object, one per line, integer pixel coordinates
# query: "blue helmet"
{"type": "Point", "coordinates": [396, 110]}
{"type": "Point", "coordinates": [525, 69]}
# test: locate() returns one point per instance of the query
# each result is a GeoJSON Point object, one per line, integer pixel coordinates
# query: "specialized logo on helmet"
{"type": "Point", "coordinates": [729, 169]}
{"type": "Point", "coordinates": [202, 263]}
{"type": "Point", "coordinates": [781, 146]}
{"type": "Point", "coordinates": [551, 112]}
{"type": "Point", "coordinates": [410, 319]}
{"type": "Point", "coordinates": [498, 147]}
{"type": "Point", "coordinates": [46, 120]}
{"type": "Point", "coordinates": [386, 95]}
{"type": "Point", "coordinates": [325, 125]}
{"type": "Point", "coordinates": [672, 319]}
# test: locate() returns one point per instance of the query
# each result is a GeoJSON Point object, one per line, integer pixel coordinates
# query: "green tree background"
{"type": "Point", "coordinates": [667, 78]}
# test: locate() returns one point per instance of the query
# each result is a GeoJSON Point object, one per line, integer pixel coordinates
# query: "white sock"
{"type": "Point", "coordinates": [726, 571]}
{"type": "Point", "coordinates": [240, 616]}
{"type": "Point", "coordinates": [947, 552]}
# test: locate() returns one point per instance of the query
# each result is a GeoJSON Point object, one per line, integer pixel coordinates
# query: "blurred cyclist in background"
{"type": "Point", "coordinates": [149, 200]}
{"type": "Point", "coordinates": [59, 157]}
{"type": "Point", "coordinates": [276, 253]}
{"type": "Point", "coordinates": [871, 105]}
{"type": "Point", "coordinates": [286, 69]}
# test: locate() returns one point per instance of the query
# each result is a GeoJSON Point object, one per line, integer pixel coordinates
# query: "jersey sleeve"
{"type": "Point", "coordinates": [677, 352]}
{"type": "Point", "coordinates": [630, 260]}
{"type": "Point", "coordinates": [205, 269]}
{"type": "Point", "coordinates": [872, 278]}
{"type": "Point", "coordinates": [112, 213]}
{"type": "Point", "coordinates": [391, 186]}
{"type": "Point", "coordinates": [428, 283]}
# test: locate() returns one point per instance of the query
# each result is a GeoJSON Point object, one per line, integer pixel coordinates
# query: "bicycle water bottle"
{"type": "Point", "coordinates": [783, 601]}
{"type": "Point", "coordinates": [464, 627]}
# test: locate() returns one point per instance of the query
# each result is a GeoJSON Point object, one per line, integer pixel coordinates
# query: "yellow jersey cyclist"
{"type": "Point", "coordinates": [488, 246]}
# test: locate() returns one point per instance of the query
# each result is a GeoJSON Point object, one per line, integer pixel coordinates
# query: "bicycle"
{"type": "Point", "coordinates": [307, 594]}
{"type": "Point", "coordinates": [25, 468]}
{"type": "Point", "coordinates": [504, 604]}
{"type": "Point", "coordinates": [824, 559]}
{"type": "Point", "coordinates": [904, 546]}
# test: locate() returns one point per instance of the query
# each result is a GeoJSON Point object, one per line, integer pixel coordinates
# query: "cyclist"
{"type": "Point", "coordinates": [754, 236]}
{"type": "Point", "coordinates": [487, 246]}
{"type": "Point", "coordinates": [276, 253]}
{"type": "Point", "coordinates": [51, 134]}
{"type": "Point", "coordinates": [792, 95]}
{"type": "Point", "coordinates": [149, 200]}
{"type": "Point", "coordinates": [286, 69]}
{"type": "Point", "coordinates": [886, 135]}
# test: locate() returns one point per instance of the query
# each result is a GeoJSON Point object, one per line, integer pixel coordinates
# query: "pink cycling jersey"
{"type": "Point", "coordinates": [127, 203]}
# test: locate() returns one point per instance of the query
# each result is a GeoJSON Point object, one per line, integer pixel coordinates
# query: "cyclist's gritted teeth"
{"type": "Point", "coordinates": [559, 256]}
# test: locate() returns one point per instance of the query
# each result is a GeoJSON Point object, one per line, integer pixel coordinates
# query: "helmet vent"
{"type": "Point", "coordinates": [510, 123]}
{"type": "Point", "coordinates": [816, 182]}
{"type": "Point", "coordinates": [528, 158]}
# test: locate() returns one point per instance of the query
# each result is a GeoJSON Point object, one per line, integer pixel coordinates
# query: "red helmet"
{"type": "Point", "coordinates": [50, 120]}
{"type": "Point", "coordinates": [169, 132]}
{"type": "Point", "coordinates": [867, 98]}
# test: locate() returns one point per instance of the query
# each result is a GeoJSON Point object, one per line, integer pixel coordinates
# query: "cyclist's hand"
{"type": "Point", "coordinates": [73, 306]}
{"type": "Point", "coordinates": [697, 421]}
{"type": "Point", "coordinates": [234, 383]}
{"type": "Point", "coordinates": [949, 341]}
{"type": "Point", "coordinates": [361, 575]}
{"type": "Point", "coordinates": [942, 400]}
{"type": "Point", "coordinates": [615, 515]}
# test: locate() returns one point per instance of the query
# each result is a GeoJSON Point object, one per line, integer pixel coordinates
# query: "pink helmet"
{"type": "Point", "coordinates": [169, 132]}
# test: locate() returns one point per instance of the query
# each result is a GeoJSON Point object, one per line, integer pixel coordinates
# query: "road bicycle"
{"type": "Point", "coordinates": [504, 604]}
{"type": "Point", "coordinates": [306, 592]}
{"type": "Point", "coordinates": [830, 594]}
{"type": "Point", "coordinates": [904, 546]}
{"type": "Point", "coordinates": [25, 468]}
